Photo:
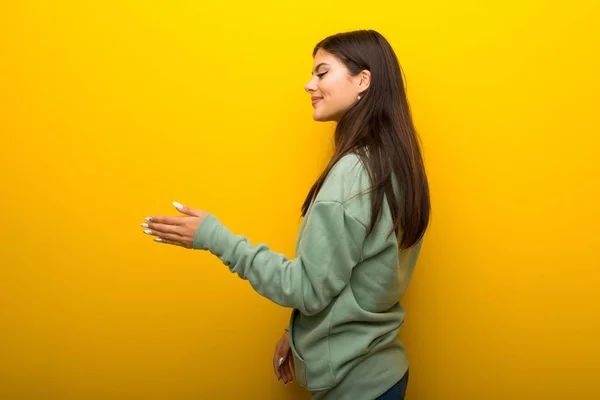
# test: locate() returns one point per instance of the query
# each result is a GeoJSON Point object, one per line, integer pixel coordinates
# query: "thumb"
{"type": "Point", "coordinates": [185, 209]}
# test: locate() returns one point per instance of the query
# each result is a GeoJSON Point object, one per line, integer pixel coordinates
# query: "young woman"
{"type": "Point", "coordinates": [364, 220]}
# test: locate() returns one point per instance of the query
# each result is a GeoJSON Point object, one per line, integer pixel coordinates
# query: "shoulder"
{"type": "Point", "coordinates": [349, 166]}
{"type": "Point", "coordinates": [347, 178]}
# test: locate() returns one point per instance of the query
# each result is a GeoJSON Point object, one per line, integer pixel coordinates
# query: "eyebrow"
{"type": "Point", "coordinates": [319, 66]}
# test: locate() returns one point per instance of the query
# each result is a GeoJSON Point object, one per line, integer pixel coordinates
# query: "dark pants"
{"type": "Point", "coordinates": [397, 391]}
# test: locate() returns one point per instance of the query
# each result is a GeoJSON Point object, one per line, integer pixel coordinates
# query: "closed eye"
{"type": "Point", "coordinates": [322, 74]}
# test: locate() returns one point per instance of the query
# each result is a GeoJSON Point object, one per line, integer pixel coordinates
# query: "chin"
{"type": "Point", "coordinates": [322, 118]}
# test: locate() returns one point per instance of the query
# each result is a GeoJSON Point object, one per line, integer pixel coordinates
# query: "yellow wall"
{"type": "Point", "coordinates": [111, 110]}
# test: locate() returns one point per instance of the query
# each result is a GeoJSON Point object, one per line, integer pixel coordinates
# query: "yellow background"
{"type": "Point", "coordinates": [111, 110]}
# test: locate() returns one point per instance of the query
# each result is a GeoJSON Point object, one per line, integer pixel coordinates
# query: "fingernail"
{"type": "Point", "coordinates": [177, 205]}
{"type": "Point", "coordinates": [148, 218]}
{"type": "Point", "coordinates": [281, 360]}
{"type": "Point", "coordinates": [158, 240]}
{"type": "Point", "coordinates": [147, 231]}
{"type": "Point", "coordinates": [144, 225]}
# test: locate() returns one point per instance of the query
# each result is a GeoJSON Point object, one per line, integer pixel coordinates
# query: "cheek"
{"type": "Point", "coordinates": [330, 86]}
{"type": "Point", "coordinates": [337, 95]}
{"type": "Point", "coordinates": [330, 94]}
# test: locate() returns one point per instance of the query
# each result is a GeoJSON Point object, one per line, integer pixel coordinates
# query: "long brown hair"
{"type": "Point", "coordinates": [381, 123]}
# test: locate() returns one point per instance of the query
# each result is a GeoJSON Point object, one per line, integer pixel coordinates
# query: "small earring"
{"type": "Point", "coordinates": [358, 98]}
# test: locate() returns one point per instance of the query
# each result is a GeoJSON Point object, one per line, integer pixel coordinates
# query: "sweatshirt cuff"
{"type": "Point", "coordinates": [205, 237]}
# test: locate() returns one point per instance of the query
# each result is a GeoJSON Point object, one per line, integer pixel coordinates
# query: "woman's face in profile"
{"type": "Point", "coordinates": [333, 90]}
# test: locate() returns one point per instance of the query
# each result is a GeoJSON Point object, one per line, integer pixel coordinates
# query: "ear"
{"type": "Point", "coordinates": [364, 80]}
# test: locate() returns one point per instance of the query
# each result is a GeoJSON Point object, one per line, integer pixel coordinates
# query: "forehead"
{"type": "Point", "coordinates": [323, 56]}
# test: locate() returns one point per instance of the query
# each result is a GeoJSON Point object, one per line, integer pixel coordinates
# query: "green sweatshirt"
{"type": "Point", "coordinates": [344, 288]}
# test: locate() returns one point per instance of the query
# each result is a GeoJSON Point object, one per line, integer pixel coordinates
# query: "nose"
{"type": "Point", "coordinates": [310, 87]}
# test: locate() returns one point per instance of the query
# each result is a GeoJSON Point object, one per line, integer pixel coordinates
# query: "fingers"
{"type": "Point", "coordinates": [283, 371]}
{"type": "Point", "coordinates": [167, 234]}
{"type": "Point", "coordinates": [178, 220]}
{"type": "Point", "coordinates": [166, 220]}
{"type": "Point", "coordinates": [286, 373]}
{"type": "Point", "coordinates": [163, 236]}
{"type": "Point", "coordinates": [172, 237]}
{"type": "Point", "coordinates": [162, 228]}
{"type": "Point", "coordinates": [283, 362]}
{"type": "Point", "coordinates": [164, 241]}
{"type": "Point", "coordinates": [280, 365]}
{"type": "Point", "coordinates": [277, 370]}
{"type": "Point", "coordinates": [185, 209]}
{"type": "Point", "coordinates": [276, 364]}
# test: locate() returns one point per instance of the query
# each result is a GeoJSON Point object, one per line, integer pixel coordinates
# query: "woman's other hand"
{"type": "Point", "coordinates": [283, 362]}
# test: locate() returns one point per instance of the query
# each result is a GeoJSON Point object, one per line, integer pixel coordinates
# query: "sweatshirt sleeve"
{"type": "Point", "coordinates": [329, 248]}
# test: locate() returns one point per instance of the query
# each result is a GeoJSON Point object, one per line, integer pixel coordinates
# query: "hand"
{"type": "Point", "coordinates": [178, 231]}
{"type": "Point", "coordinates": [283, 361]}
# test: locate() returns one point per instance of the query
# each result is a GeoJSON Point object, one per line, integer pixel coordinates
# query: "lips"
{"type": "Point", "coordinates": [315, 99]}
